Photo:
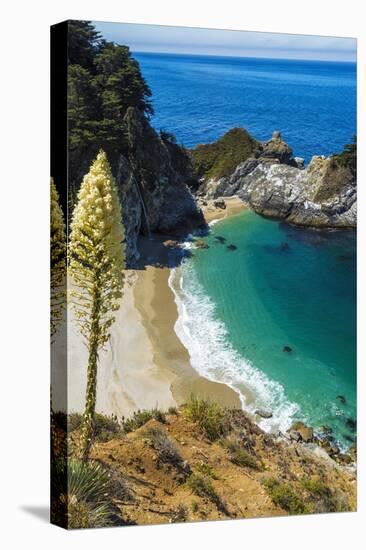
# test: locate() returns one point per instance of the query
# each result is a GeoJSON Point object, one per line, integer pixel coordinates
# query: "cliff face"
{"type": "Point", "coordinates": [274, 184]}
{"type": "Point", "coordinates": [152, 175]}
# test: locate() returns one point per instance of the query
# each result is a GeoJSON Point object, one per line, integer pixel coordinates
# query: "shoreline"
{"type": "Point", "coordinates": [145, 364]}
{"type": "Point", "coordinates": [155, 302]}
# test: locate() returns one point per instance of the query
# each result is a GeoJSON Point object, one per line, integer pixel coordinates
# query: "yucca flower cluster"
{"type": "Point", "coordinates": [96, 264]}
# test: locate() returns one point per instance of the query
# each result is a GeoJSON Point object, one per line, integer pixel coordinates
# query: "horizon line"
{"type": "Point", "coordinates": [354, 62]}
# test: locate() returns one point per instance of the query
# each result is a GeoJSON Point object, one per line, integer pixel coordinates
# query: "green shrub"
{"type": "Point", "coordinates": [209, 416]}
{"type": "Point", "coordinates": [208, 470]}
{"type": "Point", "coordinates": [202, 487]}
{"type": "Point", "coordinates": [348, 157]}
{"type": "Point", "coordinates": [220, 158]}
{"type": "Point", "coordinates": [242, 458]}
{"type": "Point", "coordinates": [140, 418]}
{"type": "Point", "coordinates": [173, 410]}
{"type": "Point", "coordinates": [164, 446]}
{"type": "Point", "coordinates": [195, 506]}
{"type": "Point", "coordinates": [322, 498]}
{"type": "Point", "coordinates": [239, 456]}
{"type": "Point", "coordinates": [285, 496]}
{"type": "Point", "coordinates": [105, 427]}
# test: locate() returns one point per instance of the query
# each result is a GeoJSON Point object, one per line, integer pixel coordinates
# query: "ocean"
{"type": "Point", "coordinates": [275, 313]}
{"type": "Point", "coordinates": [199, 98]}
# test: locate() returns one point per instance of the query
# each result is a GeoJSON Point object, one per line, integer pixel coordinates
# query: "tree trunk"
{"type": "Point", "coordinates": [87, 430]}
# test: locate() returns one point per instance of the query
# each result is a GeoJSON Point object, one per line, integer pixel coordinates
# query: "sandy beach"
{"type": "Point", "coordinates": [233, 205]}
{"type": "Point", "coordinates": [145, 365]}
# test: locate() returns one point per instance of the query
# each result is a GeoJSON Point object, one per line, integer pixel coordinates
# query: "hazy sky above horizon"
{"type": "Point", "coordinates": [186, 40]}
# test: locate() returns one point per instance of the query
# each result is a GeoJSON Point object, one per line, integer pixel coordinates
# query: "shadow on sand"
{"type": "Point", "coordinates": [161, 251]}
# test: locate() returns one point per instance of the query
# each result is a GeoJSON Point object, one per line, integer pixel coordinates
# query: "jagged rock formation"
{"type": "Point", "coordinates": [274, 184]}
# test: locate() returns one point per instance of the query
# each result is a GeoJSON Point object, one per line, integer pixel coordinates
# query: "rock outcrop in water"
{"type": "Point", "coordinates": [275, 184]}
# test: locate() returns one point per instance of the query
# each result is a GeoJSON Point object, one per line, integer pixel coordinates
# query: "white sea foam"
{"type": "Point", "coordinates": [212, 355]}
{"type": "Point", "coordinates": [214, 222]}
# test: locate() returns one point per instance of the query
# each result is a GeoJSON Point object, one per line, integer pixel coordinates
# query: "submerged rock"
{"type": "Point", "coordinates": [287, 349]}
{"type": "Point", "coordinates": [220, 239]}
{"type": "Point", "coordinates": [263, 413]}
{"type": "Point", "coordinates": [341, 399]}
{"type": "Point", "coordinates": [201, 244]}
{"type": "Point", "coordinates": [326, 429]}
{"type": "Point", "coordinates": [231, 247]}
{"type": "Point", "coordinates": [351, 424]}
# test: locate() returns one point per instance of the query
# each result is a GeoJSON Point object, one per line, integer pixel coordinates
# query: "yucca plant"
{"type": "Point", "coordinates": [80, 496]}
{"type": "Point", "coordinates": [96, 264]}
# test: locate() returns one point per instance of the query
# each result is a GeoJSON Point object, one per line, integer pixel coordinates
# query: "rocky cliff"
{"type": "Point", "coordinates": [152, 175]}
{"type": "Point", "coordinates": [275, 184]}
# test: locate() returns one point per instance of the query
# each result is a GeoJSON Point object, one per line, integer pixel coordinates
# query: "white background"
{"type": "Point", "coordinates": [24, 204]}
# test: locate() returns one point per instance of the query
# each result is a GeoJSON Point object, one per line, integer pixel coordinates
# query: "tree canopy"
{"type": "Point", "coordinates": [103, 82]}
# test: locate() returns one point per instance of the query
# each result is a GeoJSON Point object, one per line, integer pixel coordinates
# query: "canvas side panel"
{"type": "Point", "coordinates": [58, 255]}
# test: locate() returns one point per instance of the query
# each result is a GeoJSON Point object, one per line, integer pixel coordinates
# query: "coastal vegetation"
{"type": "Point", "coordinates": [150, 474]}
{"type": "Point", "coordinates": [220, 158]}
{"type": "Point", "coordinates": [96, 263]}
{"type": "Point", "coordinates": [86, 502]}
{"type": "Point", "coordinates": [210, 418]}
{"type": "Point", "coordinates": [348, 157]}
{"type": "Point", "coordinates": [103, 81]}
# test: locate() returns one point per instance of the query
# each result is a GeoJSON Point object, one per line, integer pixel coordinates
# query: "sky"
{"type": "Point", "coordinates": [186, 40]}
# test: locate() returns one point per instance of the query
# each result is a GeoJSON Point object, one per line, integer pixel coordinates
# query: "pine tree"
{"type": "Point", "coordinates": [58, 261]}
{"type": "Point", "coordinates": [96, 263]}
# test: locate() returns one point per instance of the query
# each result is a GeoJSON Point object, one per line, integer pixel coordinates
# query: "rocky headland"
{"type": "Point", "coordinates": [165, 188]}
{"type": "Point", "coordinates": [275, 184]}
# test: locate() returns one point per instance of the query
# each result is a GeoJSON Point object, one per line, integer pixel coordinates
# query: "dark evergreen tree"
{"type": "Point", "coordinates": [83, 42]}
{"type": "Point", "coordinates": [103, 82]}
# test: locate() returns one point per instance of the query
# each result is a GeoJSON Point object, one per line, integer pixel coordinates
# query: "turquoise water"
{"type": "Point", "coordinates": [281, 286]}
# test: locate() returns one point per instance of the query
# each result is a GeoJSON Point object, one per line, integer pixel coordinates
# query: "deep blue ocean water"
{"type": "Point", "coordinates": [198, 98]}
{"type": "Point", "coordinates": [282, 285]}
